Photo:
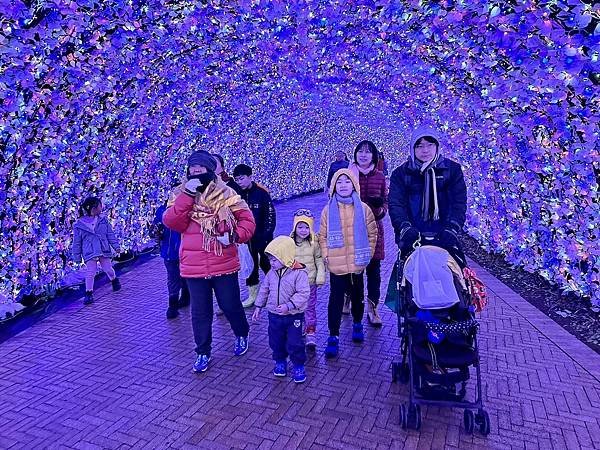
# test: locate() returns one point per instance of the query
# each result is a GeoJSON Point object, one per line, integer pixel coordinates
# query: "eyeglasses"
{"type": "Point", "coordinates": [303, 212]}
{"type": "Point", "coordinates": [425, 145]}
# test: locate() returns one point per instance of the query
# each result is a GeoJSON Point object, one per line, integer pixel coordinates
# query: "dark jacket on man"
{"type": "Point", "coordinates": [260, 203]}
{"type": "Point", "coordinates": [406, 196]}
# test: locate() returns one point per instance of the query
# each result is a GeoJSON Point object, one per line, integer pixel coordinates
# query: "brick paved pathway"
{"type": "Point", "coordinates": [118, 375]}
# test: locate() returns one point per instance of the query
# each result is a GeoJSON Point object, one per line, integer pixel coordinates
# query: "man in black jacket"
{"type": "Point", "coordinates": [261, 205]}
{"type": "Point", "coordinates": [428, 196]}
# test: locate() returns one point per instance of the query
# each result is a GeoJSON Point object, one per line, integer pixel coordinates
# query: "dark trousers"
{"type": "Point", "coordinates": [260, 260]}
{"type": "Point", "coordinates": [373, 272]}
{"type": "Point", "coordinates": [285, 338]}
{"type": "Point", "coordinates": [339, 284]}
{"type": "Point", "coordinates": [175, 284]}
{"type": "Point", "coordinates": [227, 292]}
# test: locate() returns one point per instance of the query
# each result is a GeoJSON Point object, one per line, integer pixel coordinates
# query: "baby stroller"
{"type": "Point", "coordinates": [438, 334]}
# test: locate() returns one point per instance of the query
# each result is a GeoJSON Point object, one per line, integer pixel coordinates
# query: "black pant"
{"type": "Point", "coordinates": [339, 284]}
{"type": "Point", "coordinates": [227, 292]}
{"type": "Point", "coordinates": [175, 284]}
{"type": "Point", "coordinates": [285, 338]}
{"type": "Point", "coordinates": [373, 272]}
{"type": "Point", "coordinates": [260, 259]}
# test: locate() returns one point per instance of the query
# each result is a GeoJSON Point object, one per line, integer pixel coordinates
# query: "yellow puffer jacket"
{"type": "Point", "coordinates": [340, 261]}
{"type": "Point", "coordinates": [309, 254]}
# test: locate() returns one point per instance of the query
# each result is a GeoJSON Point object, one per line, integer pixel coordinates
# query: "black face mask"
{"type": "Point", "coordinates": [205, 179]}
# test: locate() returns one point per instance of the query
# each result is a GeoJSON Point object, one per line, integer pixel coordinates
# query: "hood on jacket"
{"type": "Point", "coordinates": [284, 249]}
{"type": "Point", "coordinates": [418, 133]}
{"type": "Point", "coordinates": [350, 174]}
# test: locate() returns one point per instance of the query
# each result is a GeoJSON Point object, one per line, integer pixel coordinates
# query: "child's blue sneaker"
{"type": "Point", "coordinates": [358, 334]}
{"type": "Point", "coordinates": [241, 345]}
{"type": "Point", "coordinates": [333, 346]}
{"type": "Point", "coordinates": [280, 369]}
{"type": "Point", "coordinates": [299, 374]}
{"type": "Point", "coordinates": [201, 364]}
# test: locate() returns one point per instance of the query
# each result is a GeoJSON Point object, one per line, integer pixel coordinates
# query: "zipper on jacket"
{"type": "Point", "coordinates": [279, 284]}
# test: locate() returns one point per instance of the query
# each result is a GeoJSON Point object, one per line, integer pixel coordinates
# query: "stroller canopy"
{"type": "Point", "coordinates": [432, 273]}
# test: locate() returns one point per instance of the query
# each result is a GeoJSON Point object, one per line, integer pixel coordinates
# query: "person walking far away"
{"type": "Point", "coordinates": [260, 203]}
{"type": "Point", "coordinates": [94, 241]}
{"type": "Point", "coordinates": [211, 218]}
{"type": "Point", "coordinates": [285, 292]}
{"type": "Point", "coordinates": [341, 162]}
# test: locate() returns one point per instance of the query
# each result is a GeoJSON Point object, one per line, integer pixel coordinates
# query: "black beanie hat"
{"type": "Point", "coordinates": [241, 170]}
{"type": "Point", "coordinates": [204, 159]}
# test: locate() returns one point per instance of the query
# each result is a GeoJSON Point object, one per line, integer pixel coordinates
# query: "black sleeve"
{"type": "Point", "coordinates": [269, 214]}
{"type": "Point", "coordinates": [398, 201]}
{"type": "Point", "coordinates": [457, 194]}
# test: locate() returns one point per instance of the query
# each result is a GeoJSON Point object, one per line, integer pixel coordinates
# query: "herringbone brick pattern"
{"type": "Point", "coordinates": [118, 375]}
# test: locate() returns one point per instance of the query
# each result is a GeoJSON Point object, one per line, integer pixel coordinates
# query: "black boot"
{"type": "Point", "coordinates": [116, 285]}
{"type": "Point", "coordinates": [89, 298]}
{"type": "Point", "coordinates": [184, 300]}
{"type": "Point", "coordinates": [172, 311]}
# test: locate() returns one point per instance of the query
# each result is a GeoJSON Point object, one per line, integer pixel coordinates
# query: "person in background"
{"type": "Point", "coordinates": [340, 162]}
{"type": "Point", "coordinates": [373, 191]}
{"type": "Point", "coordinates": [168, 242]}
{"type": "Point", "coordinates": [260, 203]}
{"type": "Point", "coordinates": [94, 241]}
{"type": "Point", "coordinates": [220, 172]}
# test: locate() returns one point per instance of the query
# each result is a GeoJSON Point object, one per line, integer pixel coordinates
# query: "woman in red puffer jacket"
{"type": "Point", "coordinates": [212, 219]}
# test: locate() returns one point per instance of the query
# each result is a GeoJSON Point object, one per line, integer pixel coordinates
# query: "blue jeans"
{"type": "Point", "coordinates": [285, 338]}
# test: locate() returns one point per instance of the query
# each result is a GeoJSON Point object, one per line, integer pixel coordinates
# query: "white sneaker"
{"type": "Point", "coordinates": [253, 292]}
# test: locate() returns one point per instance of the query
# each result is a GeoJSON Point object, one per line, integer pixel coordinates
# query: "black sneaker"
{"type": "Point", "coordinates": [88, 299]}
{"type": "Point", "coordinates": [116, 285]}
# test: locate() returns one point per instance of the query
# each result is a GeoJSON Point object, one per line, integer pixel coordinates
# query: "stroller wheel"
{"type": "Point", "coordinates": [414, 416]}
{"type": "Point", "coordinates": [469, 421]}
{"type": "Point", "coordinates": [482, 419]}
{"type": "Point", "coordinates": [403, 417]}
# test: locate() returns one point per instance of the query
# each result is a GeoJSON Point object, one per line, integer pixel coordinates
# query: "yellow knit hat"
{"type": "Point", "coordinates": [304, 215]}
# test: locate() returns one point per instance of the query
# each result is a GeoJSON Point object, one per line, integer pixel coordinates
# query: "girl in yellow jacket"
{"type": "Point", "coordinates": [308, 252]}
{"type": "Point", "coordinates": [347, 236]}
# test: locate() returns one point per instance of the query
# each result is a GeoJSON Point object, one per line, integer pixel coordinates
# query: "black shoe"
{"type": "Point", "coordinates": [116, 285]}
{"type": "Point", "coordinates": [89, 298]}
{"type": "Point", "coordinates": [172, 310]}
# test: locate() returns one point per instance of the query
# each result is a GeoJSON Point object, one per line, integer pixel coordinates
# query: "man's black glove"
{"type": "Point", "coordinates": [447, 238]}
{"type": "Point", "coordinates": [375, 202]}
{"type": "Point", "coordinates": [407, 236]}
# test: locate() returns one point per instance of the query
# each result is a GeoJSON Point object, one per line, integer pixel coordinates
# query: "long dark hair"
{"type": "Point", "coordinates": [88, 204]}
{"type": "Point", "coordinates": [371, 148]}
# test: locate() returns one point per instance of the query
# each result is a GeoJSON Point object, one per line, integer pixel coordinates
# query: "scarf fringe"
{"type": "Point", "coordinates": [215, 205]}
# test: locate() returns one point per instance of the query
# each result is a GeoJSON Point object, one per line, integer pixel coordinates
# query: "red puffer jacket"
{"type": "Point", "coordinates": [194, 260]}
{"type": "Point", "coordinates": [373, 191]}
